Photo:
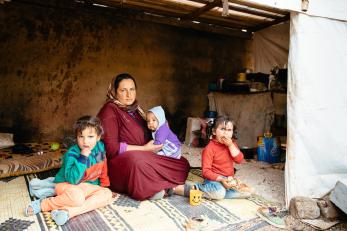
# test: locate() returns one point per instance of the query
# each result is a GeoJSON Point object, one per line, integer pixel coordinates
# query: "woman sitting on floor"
{"type": "Point", "coordinates": [134, 168]}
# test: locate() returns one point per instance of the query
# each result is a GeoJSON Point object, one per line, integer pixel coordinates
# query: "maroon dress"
{"type": "Point", "coordinates": [140, 174]}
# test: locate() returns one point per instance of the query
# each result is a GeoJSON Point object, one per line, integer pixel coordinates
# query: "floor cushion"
{"type": "Point", "coordinates": [42, 159]}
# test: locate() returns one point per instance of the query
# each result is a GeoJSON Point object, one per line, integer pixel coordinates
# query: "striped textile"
{"type": "Point", "coordinates": [125, 213]}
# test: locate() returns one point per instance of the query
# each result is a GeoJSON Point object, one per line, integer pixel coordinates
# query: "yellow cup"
{"type": "Point", "coordinates": [241, 77]}
{"type": "Point", "coordinates": [195, 197]}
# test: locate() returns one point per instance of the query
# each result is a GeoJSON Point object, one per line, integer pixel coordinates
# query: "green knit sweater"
{"type": "Point", "coordinates": [77, 168]}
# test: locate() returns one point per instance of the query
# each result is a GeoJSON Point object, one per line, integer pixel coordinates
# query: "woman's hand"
{"type": "Point", "coordinates": [150, 146]}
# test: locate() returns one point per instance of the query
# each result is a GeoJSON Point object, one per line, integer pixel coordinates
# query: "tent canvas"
{"type": "Point", "coordinates": [317, 105]}
{"type": "Point", "coordinates": [316, 100]}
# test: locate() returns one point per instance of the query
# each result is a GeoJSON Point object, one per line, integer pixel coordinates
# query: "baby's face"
{"type": "Point", "coordinates": [152, 122]}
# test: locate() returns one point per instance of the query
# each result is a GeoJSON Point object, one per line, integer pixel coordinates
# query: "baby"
{"type": "Point", "coordinates": [162, 134]}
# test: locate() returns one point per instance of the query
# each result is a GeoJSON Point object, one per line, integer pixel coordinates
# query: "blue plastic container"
{"type": "Point", "coordinates": [210, 114]}
{"type": "Point", "coordinates": [269, 150]}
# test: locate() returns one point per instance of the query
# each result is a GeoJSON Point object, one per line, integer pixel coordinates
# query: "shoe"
{"type": "Point", "coordinates": [270, 215]}
{"type": "Point", "coordinates": [158, 195]}
{"type": "Point", "coordinates": [169, 192]}
{"type": "Point", "coordinates": [33, 208]}
{"type": "Point", "coordinates": [60, 216]}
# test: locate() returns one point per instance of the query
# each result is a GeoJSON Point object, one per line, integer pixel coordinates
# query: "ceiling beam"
{"type": "Point", "coordinates": [142, 16]}
{"type": "Point", "coordinates": [196, 26]}
{"type": "Point", "coordinates": [257, 6]}
{"type": "Point", "coordinates": [268, 24]}
{"type": "Point", "coordinates": [269, 12]}
{"type": "Point", "coordinates": [227, 24]}
{"type": "Point", "coordinates": [202, 10]}
{"type": "Point", "coordinates": [253, 12]}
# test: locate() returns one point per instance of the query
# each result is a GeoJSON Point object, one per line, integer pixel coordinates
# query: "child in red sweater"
{"type": "Point", "coordinates": [218, 159]}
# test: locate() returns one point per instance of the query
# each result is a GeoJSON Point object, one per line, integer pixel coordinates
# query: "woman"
{"type": "Point", "coordinates": [134, 169]}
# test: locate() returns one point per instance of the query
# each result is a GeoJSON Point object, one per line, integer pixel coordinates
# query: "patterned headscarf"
{"type": "Point", "coordinates": [111, 97]}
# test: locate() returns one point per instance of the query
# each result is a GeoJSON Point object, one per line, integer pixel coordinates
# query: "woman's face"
{"type": "Point", "coordinates": [126, 92]}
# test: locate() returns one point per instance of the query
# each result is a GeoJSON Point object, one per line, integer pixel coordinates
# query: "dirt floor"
{"type": "Point", "coordinates": [268, 181]}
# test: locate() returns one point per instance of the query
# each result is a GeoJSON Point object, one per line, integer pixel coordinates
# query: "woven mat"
{"type": "Point", "coordinates": [124, 213]}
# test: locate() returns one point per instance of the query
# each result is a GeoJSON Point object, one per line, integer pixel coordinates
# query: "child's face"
{"type": "Point", "coordinates": [87, 139]}
{"type": "Point", "coordinates": [223, 130]}
{"type": "Point", "coordinates": [152, 122]}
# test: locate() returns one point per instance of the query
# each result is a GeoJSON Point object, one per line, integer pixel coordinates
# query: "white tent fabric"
{"type": "Point", "coordinates": [271, 47]}
{"type": "Point", "coordinates": [333, 9]}
{"type": "Point", "coordinates": [317, 106]}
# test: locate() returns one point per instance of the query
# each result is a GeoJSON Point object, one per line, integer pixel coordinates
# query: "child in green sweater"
{"type": "Point", "coordinates": [82, 179]}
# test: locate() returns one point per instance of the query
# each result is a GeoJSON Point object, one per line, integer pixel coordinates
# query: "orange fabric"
{"type": "Point", "coordinates": [96, 171]}
{"type": "Point", "coordinates": [217, 160]}
{"type": "Point", "coordinates": [77, 199]}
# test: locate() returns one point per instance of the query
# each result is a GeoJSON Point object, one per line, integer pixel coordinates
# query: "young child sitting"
{"type": "Point", "coordinates": [162, 134]}
{"type": "Point", "coordinates": [218, 159]}
{"type": "Point", "coordinates": [82, 178]}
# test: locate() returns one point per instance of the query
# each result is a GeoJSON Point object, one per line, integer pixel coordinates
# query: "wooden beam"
{"type": "Point", "coordinates": [226, 23]}
{"type": "Point", "coordinates": [210, 18]}
{"type": "Point", "coordinates": [189, 25]}
{"type": "Point", "coordinates": [260, 7]}
{"type": "Point", "coordinates": [161, 5]}
{"type": "Point", "coordinates": [202, 10]}
{"type": "Point", "coordinates": [218, 21]}
{"type": "Point", "coordinates": [242, 19]}
{"type": "Point", "coordinates": [268, 24]}
{"type": "Point", "coordinates": [142, 16]}
{"type": "Point", "coordinates": [253, 12]}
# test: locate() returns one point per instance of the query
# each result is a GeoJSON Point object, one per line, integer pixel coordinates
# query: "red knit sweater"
{"type": "Point", "coordinates": [217, 160]}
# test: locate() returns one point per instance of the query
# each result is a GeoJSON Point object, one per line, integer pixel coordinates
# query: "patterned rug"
{"type": "Point", "coordinates": [124, 213]}
{"type": "Point", "coordinates": [38, 157]}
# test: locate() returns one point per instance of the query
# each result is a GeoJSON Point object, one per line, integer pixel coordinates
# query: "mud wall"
{"type": "Point", "coordinates": [55, 65]}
